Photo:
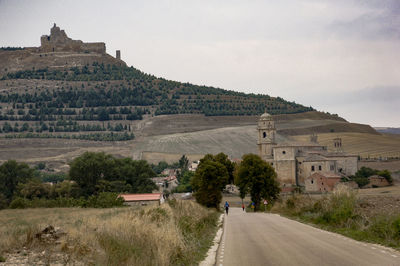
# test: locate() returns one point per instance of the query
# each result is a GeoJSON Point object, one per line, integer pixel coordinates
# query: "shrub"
{"type": "Point", "coordinates": [105, 200]}
{"type": "Point", "coordinates": [19, 203]}
{"type": "Point", "coordinates": [339, 206]}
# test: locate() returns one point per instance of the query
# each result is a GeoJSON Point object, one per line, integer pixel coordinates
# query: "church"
{"type": "Point", "coordinates": [295, 162]}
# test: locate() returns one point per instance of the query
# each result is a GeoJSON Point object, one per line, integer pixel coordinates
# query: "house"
{"type": "Point", "coordinates": [377, 181]}
{"type": "Point", "coordinates": [170, 172]}
{"type": "Point", "coordinates": [193, 166]}
{"type": "Point", "coordinates": [143, 199]}
{"type": "Point", "coordinates": [320, 182]}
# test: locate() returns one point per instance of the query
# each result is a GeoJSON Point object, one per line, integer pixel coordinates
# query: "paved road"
{"type": "Point", "coordinates": [269, 239]}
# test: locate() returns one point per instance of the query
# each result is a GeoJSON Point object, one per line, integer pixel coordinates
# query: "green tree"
{"type": "Point", "coordinates": [183, 163]}
{"type": "Point", "coordinates": [386, 174]}
{"type": "Point", "coordinates": [11, 174]}
{"type": "Point", "coordinates": [86, 170]}
{"type": "Point", "coordinates": [208, 182]}
{"type": "Point", "coordinates": [230, 166]}
{"type": "Point", "coordinates": [185, 183]}
{"type": "Point", "coordinates": [258, 178]}
{"type": "Point", "coordinates": [34, 189]}
{"type": "Point", "coordinates": [137, 174]}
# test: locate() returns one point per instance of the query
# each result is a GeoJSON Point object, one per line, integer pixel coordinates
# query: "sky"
{"type": "Point", "coordinates": [338, 56]}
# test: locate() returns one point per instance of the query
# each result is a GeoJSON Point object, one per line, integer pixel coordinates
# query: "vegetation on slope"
{"type": "Point", "coordinates": [135, 88]}
{"type": "Point", "coordinates": [341, 212]}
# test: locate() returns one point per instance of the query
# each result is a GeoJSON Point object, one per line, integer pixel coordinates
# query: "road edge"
{"type": "Point", "coordinates": [212, 251]}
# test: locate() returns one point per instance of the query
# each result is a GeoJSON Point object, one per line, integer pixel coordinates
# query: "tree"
{"type": "Point", "coordinates": [258, 178]}
{"type": "Point", "coordinates": [208, 182]}
{"type": "Point", "coordinates": [386, 174]}
{"type": "Point", "coordinates": [230, 166]}
{"type": "Point", "coordinates": [185, 183]}
{"type": "Point", "coordinates": [183, 163]}
{"type": "Point", "coordinates": [137, 174]}
{"type": "Point", "coordinates": [11, 174]}
{"type": "Point", "coordinates": [86, 170]}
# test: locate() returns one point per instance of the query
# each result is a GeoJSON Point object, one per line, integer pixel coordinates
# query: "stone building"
{"type": "Point", "coordinates": [58, 41]}
{"type": "Point", "coordinates": [320, 182]}
{"type": "Point", "coordinates": [294, 162]}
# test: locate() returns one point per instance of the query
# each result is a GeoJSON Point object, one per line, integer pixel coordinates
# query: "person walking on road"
{"type": "Point", "coordinates": [243, 206]}
{"type": "Point", "coordinates": [226, 207]}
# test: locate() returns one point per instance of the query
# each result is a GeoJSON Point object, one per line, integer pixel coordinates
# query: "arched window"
{"type": "Point", "coordinates": [264, 134]}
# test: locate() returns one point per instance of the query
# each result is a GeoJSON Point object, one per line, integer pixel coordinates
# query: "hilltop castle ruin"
{"type": "Point", "coordinates": [58, 41]}
{"type": "Point", "coordinates": [57, 51]}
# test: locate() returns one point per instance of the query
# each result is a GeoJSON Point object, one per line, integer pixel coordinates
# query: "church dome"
{"type": "Point", "coordinates": [265, 115]}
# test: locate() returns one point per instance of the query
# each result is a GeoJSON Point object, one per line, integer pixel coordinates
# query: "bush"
{"type": "Point", "coordinates": [19, 203]}
{"type": "Point", "coordinates": [339, 206]}
{"type": "Point", "coordinates": [105, 200]}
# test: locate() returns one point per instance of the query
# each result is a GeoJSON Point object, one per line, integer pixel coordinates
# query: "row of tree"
{"type": "Point", "coordinates": [90, 175]}
{"type": "Point", "coordinates": [68, 126]}
{"type": "Point", "coordinates": [135, 88]}
{"type": "Point", "coordinates": [253, 176]}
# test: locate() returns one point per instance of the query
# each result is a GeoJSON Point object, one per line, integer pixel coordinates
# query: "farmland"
{"type": "Point", "coordinates": [366, 145]}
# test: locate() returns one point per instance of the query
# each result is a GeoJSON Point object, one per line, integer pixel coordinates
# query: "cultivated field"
{"type": "Point", "coordinates": [168, 137]}
{"type": "Point", "coordinates": [365, 145]}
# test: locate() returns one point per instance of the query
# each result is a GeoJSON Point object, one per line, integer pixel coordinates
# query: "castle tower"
{"type": "Point", "coordinates": [266, 136]}
{"type": "Point", "coordinates": [118, 54]}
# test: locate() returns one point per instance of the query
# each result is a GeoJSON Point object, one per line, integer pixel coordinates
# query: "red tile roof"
{"type": "Point", "coordinates": [141, 197]}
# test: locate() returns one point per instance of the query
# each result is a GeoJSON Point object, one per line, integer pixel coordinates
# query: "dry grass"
{"type": "Point", "coordinates": [154, 235]}
{"type": "Point", "coordinates": [365, 145]}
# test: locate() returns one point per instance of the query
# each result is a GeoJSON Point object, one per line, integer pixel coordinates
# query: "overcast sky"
{"type": "Point", "coordinates": [339, 56]}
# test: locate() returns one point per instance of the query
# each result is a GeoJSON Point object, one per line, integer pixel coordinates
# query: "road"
{"type": "Point", "coordinates": [269, 239]}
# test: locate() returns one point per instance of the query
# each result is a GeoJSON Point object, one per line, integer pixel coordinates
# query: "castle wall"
{"type": "Point", "coordinates": [95, 47]}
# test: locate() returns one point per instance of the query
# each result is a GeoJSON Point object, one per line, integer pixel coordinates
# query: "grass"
{"type": "Point", "coordinates": [178, 233]}
{"type": "Point", "coordinates": [339, 212]}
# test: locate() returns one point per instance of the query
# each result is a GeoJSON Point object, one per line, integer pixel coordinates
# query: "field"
{"type": "Point", "coordinates": [168, 137]}
{"type": "Point", "coordinates": [366, 145]}
{"type": "Point", "coordinates": [176, 233]}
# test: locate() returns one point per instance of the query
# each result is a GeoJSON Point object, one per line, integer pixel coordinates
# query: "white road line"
{"type": "Point", "coordinates": [394, 256]}
{"type": "Point", "coordinates": [383, 251]}
{"type": "Point", "coordinates": [373, 247]}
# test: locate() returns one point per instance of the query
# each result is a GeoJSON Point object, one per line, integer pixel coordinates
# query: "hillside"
{"type": "Point", "coordinates": [67, 88]}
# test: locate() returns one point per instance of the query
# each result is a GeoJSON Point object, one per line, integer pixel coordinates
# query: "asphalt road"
{"type": "Point", "coordinates": [269, 239]}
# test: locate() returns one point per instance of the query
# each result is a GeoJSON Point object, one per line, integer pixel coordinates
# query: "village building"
{"type": "Point", "coordinates": [143, 199]}
{"type": "Point", "coordinates": [376, 181]}
{"type": "Point", "coordinates": [193, 166]}
{"type": "Point", "coordinates": [321, 182]}
{"type": "Point", "coordinates": [294, 162]}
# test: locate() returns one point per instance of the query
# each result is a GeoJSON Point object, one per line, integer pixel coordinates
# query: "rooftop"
{"type": "Point", "coordinates": [141, 197]}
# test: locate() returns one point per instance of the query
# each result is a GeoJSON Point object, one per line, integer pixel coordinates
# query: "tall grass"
{"type": "Point", "coordinates": [178, 233]}
{"type": "Point", "coordinates": [339, 212]}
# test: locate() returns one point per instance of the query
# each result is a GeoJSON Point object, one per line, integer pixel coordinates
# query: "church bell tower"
{"type": "Point", "coordinates": [266, 136]}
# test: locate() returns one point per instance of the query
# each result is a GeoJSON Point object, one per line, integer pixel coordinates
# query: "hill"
{"type": "Point", "coordinates": [71, 89]}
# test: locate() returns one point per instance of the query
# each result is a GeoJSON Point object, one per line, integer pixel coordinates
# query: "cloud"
{"type": "Point", "coordinates": [381, 20]}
